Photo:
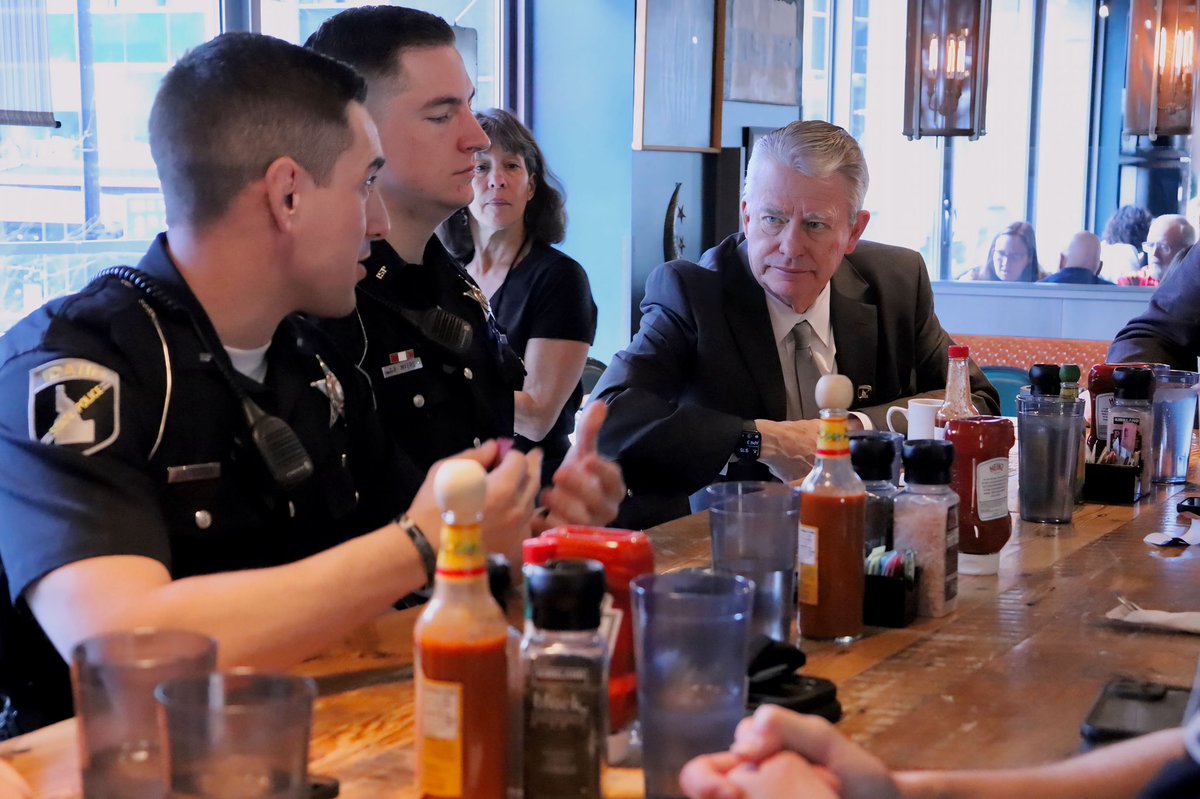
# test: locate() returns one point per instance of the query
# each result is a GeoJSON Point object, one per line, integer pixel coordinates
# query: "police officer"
{"type": "Point", "coordinates": [442, 372]}
{"type": "Point", "coordinates": [177, 447]}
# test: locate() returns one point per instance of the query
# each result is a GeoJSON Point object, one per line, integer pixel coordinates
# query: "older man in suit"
{"type": "Point", "coordinates": [720, 378]}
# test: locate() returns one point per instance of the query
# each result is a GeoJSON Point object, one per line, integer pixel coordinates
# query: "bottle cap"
{"type": "Point", "coordinates": [928, 462]}
{"type": "Point", "coordinates": [834, 391]}
{"type": "Point", "coordinates": [1044, 380]}
{"type": "Point", "coordinates": [499, 579]}
{"type": "Point", "coordinates": [872, 456]}
{"type": "Point", "coordinates": [959, 351]}
{"type": "Point", "coordinates": [460, 489]}
{"type": "Point", "coordinates": [565, 594]}
{"type": "Point", "coordinates": [1132, 382]}
{"type": "Point", "coordinates": [1069, 373]}
{"type": "Point", "coordinates": [978, 564]}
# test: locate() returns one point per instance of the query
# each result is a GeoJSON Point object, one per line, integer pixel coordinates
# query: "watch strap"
{"type": "Point", "coordinates": [422, 545]}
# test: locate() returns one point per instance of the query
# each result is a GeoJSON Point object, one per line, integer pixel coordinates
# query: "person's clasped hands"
{"type": "Point", "coordinates": [778, 754]}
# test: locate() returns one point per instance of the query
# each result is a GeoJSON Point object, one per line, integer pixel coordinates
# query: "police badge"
{"type": "Point", "coordinates": [74, 403]}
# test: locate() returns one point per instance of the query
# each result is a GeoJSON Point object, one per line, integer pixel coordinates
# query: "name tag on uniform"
{"type": "Point", "coordinates": [192, 472]}
{"type": "Point", "coordinates": [402, 362]}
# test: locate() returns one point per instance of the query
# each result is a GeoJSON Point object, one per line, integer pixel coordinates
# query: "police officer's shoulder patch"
{"type": "Point", "coordinates": [74, 403]}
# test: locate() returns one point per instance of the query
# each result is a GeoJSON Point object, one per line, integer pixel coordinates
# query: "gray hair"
{"type": "Point", "coordinates": [815, 149]}
{"type": "Point", "coordinates": [1186, 231]}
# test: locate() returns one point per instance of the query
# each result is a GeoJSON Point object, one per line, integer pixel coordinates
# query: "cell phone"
{"type": "Point", "coordinates": [323, 787]}
{"type": "Point", "coordinates": [1127, 708]}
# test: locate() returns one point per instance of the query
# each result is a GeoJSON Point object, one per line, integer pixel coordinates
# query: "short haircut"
{"type": "Point", "coordinates": [372, 38]}
{"type": "Point", "coordinates": [235, 104]}
{"type": "Point", "coordinates": [545, 215]}
{"type": "Point", "coordinates": [816, 149]}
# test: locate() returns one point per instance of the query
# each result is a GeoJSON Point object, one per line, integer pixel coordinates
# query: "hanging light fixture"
{"type": "Point", "coordinates": [946, 68]}
{"type": "Point", "coordinates": [1162, 57]}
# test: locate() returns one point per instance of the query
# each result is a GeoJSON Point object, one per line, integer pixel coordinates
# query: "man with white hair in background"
{"type": "Point", "coordinates": [1169, 237]}
{"type": "Point", "coordinates": [720, 378]}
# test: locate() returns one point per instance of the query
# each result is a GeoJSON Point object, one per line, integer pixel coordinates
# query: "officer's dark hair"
{"type": "Point", "coordinates": [545, 215]}
{"type": "Point", "coordinates": [233, 105]}
{"type": "Point", "coordinates": [372, 38]}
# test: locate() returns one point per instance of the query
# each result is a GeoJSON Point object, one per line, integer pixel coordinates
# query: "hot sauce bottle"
{"type": "Point", "coordinates": [832, 521]}
{"type": "Point", "coordinates": [461, 665]}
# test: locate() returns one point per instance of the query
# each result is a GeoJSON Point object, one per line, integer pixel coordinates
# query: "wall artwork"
{"type": "Point", "coordinates": [677, 99]}
{"type": "Point", "coordinates": [762, 51]}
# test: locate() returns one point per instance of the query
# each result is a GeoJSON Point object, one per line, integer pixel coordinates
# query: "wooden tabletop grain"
{"type": "Point", "coordinates": [1004, 680]}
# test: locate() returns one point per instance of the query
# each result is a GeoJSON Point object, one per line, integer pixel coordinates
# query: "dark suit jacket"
{"type": "Point", "coordinates": [705, 360]}
{"type": "Point", "coordinates": [1169, 330]}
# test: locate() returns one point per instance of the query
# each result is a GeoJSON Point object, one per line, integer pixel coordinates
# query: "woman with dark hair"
{"type": "Point", "coordinates": [1012, 257]}
{"type": "Point", "coordinates": [539, 295]}
{"type": "Point", "coordinates": [1121, 244]}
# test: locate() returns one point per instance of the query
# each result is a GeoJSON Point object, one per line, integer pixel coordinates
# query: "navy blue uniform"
{"type": "Point", "coordinates": [436, 402]}
{"type": "Point", "coordinates": [119, 436]}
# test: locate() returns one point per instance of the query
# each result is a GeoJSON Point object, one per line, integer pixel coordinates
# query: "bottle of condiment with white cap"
{"type": "Point", "coordinates": [832, 520]}
{"type": "Point", "coordinates": [461, 664]}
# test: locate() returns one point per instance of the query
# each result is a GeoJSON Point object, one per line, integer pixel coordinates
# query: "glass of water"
{"type": "Point", "coordinates": [691, 629]}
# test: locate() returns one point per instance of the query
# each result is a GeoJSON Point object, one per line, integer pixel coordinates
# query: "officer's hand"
{"type": "Point", "coordinates": [512, 487]}
{"type": "Point", "coordinates": [788, 448]}
{"type": "Point", "coordinates": [588, 488]}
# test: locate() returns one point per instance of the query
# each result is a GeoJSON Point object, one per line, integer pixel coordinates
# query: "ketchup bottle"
{"type": "Point", "coordinates": [461, 663]}
{"type": "Point", "coordinates": [832, 522]}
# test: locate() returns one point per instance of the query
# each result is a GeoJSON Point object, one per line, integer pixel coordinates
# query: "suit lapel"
{"type": "Point", "coordinates": [855, 331]}
{"type": "Point", "coordinates": [750, 326]}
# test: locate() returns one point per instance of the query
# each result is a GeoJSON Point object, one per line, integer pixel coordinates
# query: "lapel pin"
{"type": "Point", "coordinates": [864, 391]}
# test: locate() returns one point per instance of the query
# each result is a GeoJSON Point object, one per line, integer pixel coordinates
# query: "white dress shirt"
{"type": "Point", "coordinates": [824, 348]}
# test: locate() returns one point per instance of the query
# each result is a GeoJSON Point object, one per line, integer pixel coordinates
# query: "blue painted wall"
{"type": "Point", "coordinates": [582, 115]}
{"type": "Point", "coordinates": [581, 102]}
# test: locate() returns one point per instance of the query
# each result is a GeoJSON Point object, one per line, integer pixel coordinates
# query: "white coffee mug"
{"type": "Point", "coordinates": [920, 415]}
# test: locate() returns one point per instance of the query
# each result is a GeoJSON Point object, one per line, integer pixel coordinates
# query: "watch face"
{"type": "Point", "coordinates": [750, 445]}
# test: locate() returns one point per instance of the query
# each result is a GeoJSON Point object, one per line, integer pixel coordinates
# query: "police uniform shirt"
{"type": "Point", "coordinates": [119, 436]}
{"type": "Point", "coordinates": [436, 402]}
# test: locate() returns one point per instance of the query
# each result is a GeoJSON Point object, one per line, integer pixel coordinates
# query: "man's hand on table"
{"type": "Point", "coordinates": [788, 448]}
{"type": "Point", "coordinates": [777, 753]}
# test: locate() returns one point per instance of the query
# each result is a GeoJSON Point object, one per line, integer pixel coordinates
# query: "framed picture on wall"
{"type": "Point", "coordinates": [677, 77]}
{"type": "Point", "coordinates": [762, 51]}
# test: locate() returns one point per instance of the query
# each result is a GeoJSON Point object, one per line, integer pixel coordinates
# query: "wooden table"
{"type": "Point", "coordinates": [1005, 680]}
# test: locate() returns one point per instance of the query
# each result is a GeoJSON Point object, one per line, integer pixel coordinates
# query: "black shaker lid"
{"type": "Point", "coordinates": [499, 576]}
{"type": "Point", "coordinates": [1044, 379]}
{"type": "Point", "coordinates": [872, 456]}
{"type": "Point", "coordinates": [1132, 382]}
{"type": "Point", "coordinates": [565, 594]}
{"type": "Point", "coordinates": [928, 462]}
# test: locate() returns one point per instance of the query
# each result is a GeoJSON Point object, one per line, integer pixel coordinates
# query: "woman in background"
{"type": "Point", "coordinates": [539, 295]}
{"type": "Point", "coordinates": [1121, 244]}
{"type": "Point", "coordinates": [1011, 258]}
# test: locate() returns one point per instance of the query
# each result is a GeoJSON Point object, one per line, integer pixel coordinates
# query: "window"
{"type": "Point", "coordinates": [85, 196]}
{"type": "Point", "coordinates": [476, 25]}
{"type": "Point", "coordinates": [948, 198]}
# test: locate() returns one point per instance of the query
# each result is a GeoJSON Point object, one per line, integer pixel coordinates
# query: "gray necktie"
{"type": "Point", "coordinates": [807, 372]}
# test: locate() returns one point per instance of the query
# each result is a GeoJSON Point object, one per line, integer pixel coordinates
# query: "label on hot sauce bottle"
{"type": "Point", "coordinates": [806, 557]}
{"type": "Point", "coordinates": [439, 719]}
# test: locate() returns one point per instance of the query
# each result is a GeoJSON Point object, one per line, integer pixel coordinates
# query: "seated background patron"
{"type": "Point", "coordinates": [540, 296]}
{"type": "Point", "coordinates": [1012, 257]}
{"type": "Point", "coordinates": [1121, 243]}
{"type": "Point", "coordinates": [1169, 236]}
{"type": "Point", "coordinates": [1080, 262]}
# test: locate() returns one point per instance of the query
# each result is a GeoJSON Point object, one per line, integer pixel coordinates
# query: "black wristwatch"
{"type": "Point", "coordinates": [750, 444]}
